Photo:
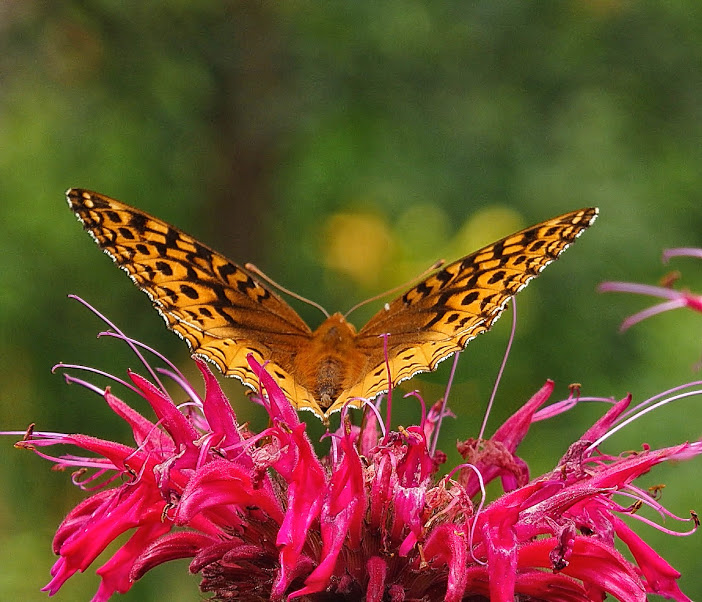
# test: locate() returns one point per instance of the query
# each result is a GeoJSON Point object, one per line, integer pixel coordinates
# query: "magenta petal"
{"type": "Point", "coordinates": [116, 573]}
{"type": "Point", "coordinates": [220, 484]}
{"type": "Point", "coordinates": [116, 453]}
{"type": "Point", "coordinates": [142, 428]}
{"type": "Point", "coordinates": [605, 422]}
{"type": "Point", "coordinates": [541, 585]}
{"type": "Point", "coordinates": [341, 517]}
{"type": "Point", "coordinates": [377, 569]}
{"type": "Point", "coordinates": [501, 546]}
{"type": "Point", "coordinates": [513, 431]}
{"type": "Point", "coordinates": [601, 566]}
{"type": "Point", "coordinates": [447, 546]}
{"type": "Point", "coordinates": [168, 414]}
{"type": "Point", "coordinates": [660, 576]}
{"type": "Point", "coordinates": [61, 571]}
{"type": "Point", "coordinates": [183, 544]}
{"type": "Point", "coordinates": [306, 484]}
{"type": "Point", "coordinates": [495, 457]}
{"type": "Point", "coordinates": [93, 525]}
{"type": "Point", "coordinates": [280, 408]}
{"type": "Point", "coordinates": [218, 412]}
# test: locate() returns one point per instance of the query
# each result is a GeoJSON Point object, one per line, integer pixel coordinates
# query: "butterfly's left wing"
{"type": "Point", "coordinates": [441, 314]}
{"type": "Point", "coordinates": [220, 309]}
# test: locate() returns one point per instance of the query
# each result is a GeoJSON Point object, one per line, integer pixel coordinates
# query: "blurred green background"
{"type": "Point", "coordinates": [343, 147]}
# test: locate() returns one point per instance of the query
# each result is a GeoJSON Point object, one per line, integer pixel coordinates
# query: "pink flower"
{"type": "Point", "coordinates": [264, 517]}
{"type": "Point", "coordinates": [674, 298]}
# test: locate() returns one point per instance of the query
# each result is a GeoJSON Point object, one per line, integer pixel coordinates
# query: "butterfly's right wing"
{"type": "Point", "coordinates": [222, 311]}
{"type": "Point", "coordinates": [445, 311]}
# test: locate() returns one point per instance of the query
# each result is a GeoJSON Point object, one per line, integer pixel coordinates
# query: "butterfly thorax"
{"type": "Point", "coordinates": [331, 361]}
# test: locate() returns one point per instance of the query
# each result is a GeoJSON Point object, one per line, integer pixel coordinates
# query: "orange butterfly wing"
{"type": "Point", "coordinates": [215, 305]}
{"type": "Point", "coordinates": [444, 312]}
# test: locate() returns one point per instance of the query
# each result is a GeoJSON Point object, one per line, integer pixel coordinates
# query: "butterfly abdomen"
{"type": "Point", "coordinates": [331, 362]}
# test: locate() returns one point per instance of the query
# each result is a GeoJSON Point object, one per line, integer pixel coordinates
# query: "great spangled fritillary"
{"type": "Point", "coordinates": [225, 313]}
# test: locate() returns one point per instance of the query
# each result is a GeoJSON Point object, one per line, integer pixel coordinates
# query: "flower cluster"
{"type": "Point", "coordinates": [263, 516]}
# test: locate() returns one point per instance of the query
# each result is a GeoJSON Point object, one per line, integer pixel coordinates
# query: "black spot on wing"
{"type": "Point", "coordinates": [470, 282]}
{"type": "Point", "coordinates": [468, 263]}
{"type": "Point", "coordinates": [138, 222]}
{"type": "Point", "coordinates": [249, 285]}
{"type": "Point", "coordinates": [421, 288]}
{"type": "Point", "coordinates": [471, 297]}
{"type": "Point", "coordinates": [245, 286]}
{"type": "Point", "coordinates": [221, 294]}
{"type": "Point", "coordinates": [226, 270]}
{"type": "Point", "coordinates": [97, 202]}
{"type": "Point", "coordinates": [169, 294]}
{"type": "Point", "coordinates": [498, 276]}
{"type": "Point", "coordinates": [189, 291]}
{"type": "Point", "coordinates": [170, 241]}
{"type": "Point", "coordinates": [536, 246]}
{"type": "Point", "coordinates": [498, 248]}
{"type": "Point", "coordinates": [437, 317]}
{"type": "Point", "coordinates": [528, 236]}
{"type": "Point", "coordinates": [202, 252]}
{"type": "Point", "coordinates": [164, 268]}
{"type": "Point", "coordinates": [489, 299]}
{"type": "Point", "coordinates": [443, 276]}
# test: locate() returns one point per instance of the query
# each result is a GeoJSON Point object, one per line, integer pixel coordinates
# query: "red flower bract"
{"type": "Point", "coordinates": [263, 517]}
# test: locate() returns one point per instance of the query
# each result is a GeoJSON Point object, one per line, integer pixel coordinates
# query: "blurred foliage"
{"type": "Point", "coordinates": [344, 147]}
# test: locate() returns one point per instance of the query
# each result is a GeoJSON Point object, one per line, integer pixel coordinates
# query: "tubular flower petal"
{"type": "Point", "coordinates": [674, 298]}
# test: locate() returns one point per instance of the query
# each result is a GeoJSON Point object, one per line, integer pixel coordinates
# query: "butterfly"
{"type": "Point", "coordinates": [225, 313]}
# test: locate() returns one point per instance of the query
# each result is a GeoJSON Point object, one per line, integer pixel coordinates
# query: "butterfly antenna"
{"type": "Point", "coordinates": [400, 287]}
{"type": "Point", "coordinates": [254, 270]}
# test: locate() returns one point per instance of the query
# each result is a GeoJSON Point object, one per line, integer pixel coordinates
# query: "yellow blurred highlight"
{"type": "Point", "coordinates": [484, 227]}
{"type": "Point", "coordinates": [357, 244]}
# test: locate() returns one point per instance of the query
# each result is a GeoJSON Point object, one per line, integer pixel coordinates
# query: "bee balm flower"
{"type": "Point", "coordinates": [264, 516]}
